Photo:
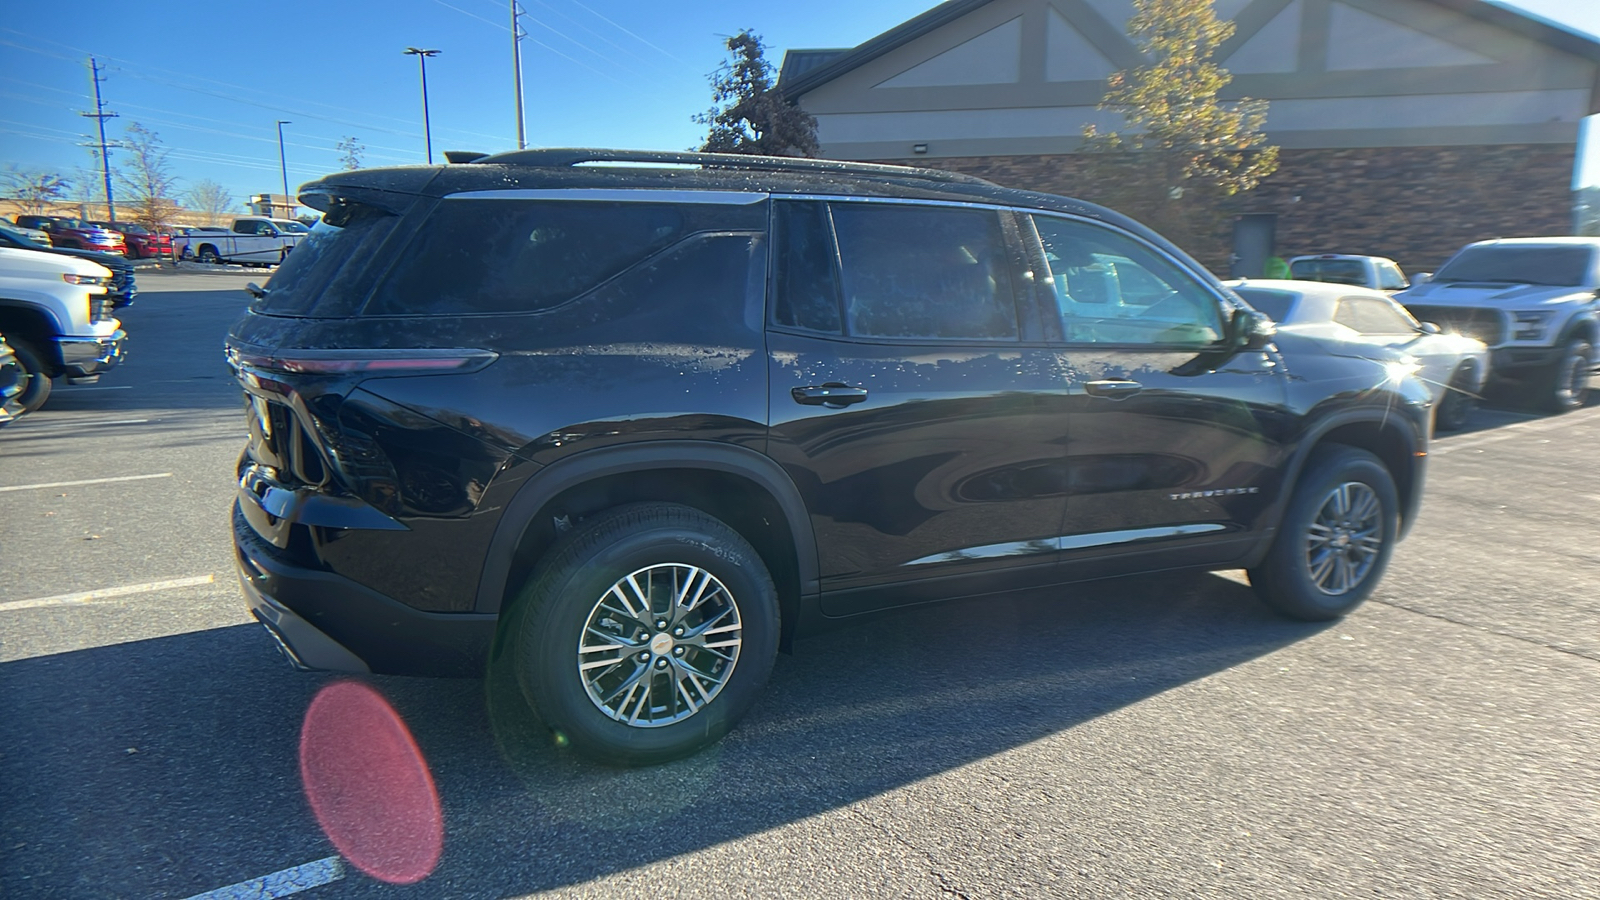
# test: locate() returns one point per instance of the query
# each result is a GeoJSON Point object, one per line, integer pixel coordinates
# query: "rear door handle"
{"type": "Point", "coordinates": [832, 395]}
{"type": "Point", "coordinates": [1113, 390]}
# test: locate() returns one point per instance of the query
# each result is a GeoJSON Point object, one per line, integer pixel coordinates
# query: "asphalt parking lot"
{"type": "Point", "coordinates": [1152, 737]}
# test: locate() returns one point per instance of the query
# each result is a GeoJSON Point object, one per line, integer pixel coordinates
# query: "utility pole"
{"type": "Point", "coordinates": [517, 35]}
{"type": "Point", "coordinates": [427, 129]}
{"type": "Point", "coordinates": [100, 116]}
{"type": "Point", "coordinates": [283, 167]}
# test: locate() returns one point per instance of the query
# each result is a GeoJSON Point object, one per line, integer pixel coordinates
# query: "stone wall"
{"type": "Point", "coordinates": [1416, 205]}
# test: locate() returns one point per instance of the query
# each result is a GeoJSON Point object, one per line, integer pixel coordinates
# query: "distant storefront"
{"type": "Point", "coordinates": [1407, 127]}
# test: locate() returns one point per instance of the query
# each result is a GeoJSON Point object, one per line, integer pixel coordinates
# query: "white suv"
{"type": "Point", "coordinates": [1533, 301]}
{"type": "Point", "coordinates": [56, 315]}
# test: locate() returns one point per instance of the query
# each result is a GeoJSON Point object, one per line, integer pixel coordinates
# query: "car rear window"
{"type": "Point", "coordinates": [500, 256]}
{"type": "Point", "coordinates": [1510, 263]}
{"type": "Point", "coordinates": [1276, 304]}
{"type": "Point", "coordinates": [1334, 271]}
{"type": "Point", "coordinates": [317, 269]}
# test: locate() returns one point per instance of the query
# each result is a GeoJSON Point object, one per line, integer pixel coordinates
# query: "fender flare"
{"type": "Point", "coordinates": [547, 483]}
{"type": "Point", "coordinates": [1314, 438]}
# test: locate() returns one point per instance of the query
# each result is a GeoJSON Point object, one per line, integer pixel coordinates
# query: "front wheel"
{"type": "Point", "coordinates": [1335, 539]}
{"type": "Point", "coordinates": [647, 635]}
{"type": "Point", "coordinates": [208, 254]}
{"type": "Point", "coordinates": [1566, 385]}
{"type": "Point", "coordinates": [31, 358]}
{"type": "Point", "coordinates": [1458, 402]}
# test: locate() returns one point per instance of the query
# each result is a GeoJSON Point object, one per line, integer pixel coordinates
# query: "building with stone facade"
{"type": "Point", "coordinates": [1407, 127]}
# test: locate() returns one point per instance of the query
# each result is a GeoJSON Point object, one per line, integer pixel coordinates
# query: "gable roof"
{"type": "Point", "coordinates": [814, 68]}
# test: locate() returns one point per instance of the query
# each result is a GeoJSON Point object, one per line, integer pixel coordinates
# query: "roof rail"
{"type": "Point", "coordinates": [567, 157]}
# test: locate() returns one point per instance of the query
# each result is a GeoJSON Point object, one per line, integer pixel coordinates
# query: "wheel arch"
{"type": "Point", "coordinates": [1385, 436]}
{"type": "Point", "coordinates": [739, 486]}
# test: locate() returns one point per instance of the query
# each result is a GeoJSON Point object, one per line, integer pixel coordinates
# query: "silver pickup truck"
{"type": "Point", "coordinates": [1534, 301]}
{"type": "Point", "coordinates": [253, 240]}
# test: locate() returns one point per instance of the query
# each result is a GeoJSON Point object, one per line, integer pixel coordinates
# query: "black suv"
{"type": "Point", "coordinates": [629, 428]}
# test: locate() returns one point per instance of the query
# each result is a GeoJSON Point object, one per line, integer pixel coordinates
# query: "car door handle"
{"type": "Point", "coordinates": [1113, 390]}
{"type": "Point", "coordinates": [832, 395]}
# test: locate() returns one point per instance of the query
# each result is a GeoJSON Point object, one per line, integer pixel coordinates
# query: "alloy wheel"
{"type": "Point", "coordinates": [1345, 538]}
{"type": "Point", "coordinates": [659, 645]}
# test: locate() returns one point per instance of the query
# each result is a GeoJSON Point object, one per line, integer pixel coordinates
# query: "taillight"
{"type": "Point", "coordinates": [415, 361]}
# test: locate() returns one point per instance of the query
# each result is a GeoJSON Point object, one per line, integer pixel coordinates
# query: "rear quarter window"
{"type": "Point", "coordinates": [505, 256]}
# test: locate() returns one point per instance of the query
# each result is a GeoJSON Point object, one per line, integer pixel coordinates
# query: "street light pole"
{"type": "Point", "coordinates": [516, 69]}
{"type": "Point", "coordinates": [427, 129]}
{"type": "Point", "coordinates": [283, 167]}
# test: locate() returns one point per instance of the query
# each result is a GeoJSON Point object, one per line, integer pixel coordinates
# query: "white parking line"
{"type": "Point", "coordinates": [82, 422]}
{"type": "Point", "coordinates": [282, 883]}
{"type": "Point", "coordinates": [57, 484]}
{"type": "Point", "coordinates": [106, 593]}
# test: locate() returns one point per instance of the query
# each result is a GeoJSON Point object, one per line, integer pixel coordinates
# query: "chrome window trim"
{"type": "Point", "coordinates": [620, 195]}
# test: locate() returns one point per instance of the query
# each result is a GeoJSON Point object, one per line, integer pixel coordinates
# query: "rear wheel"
{"type": "Point", "coordinates": [1335, 539]}
{"type": "Point", "coordinates": [1566, 385]}
{"type": "Point", "coordinates": [31, 358]}
{"type": "Point", "coordinates": [647, 635]}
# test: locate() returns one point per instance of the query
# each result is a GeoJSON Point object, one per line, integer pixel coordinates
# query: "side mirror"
{"type": "Point", "coordinates": [1421, 278]}
{"type": "Point", "coordinates": [1250, 330]}
{"type": "Point", "coordinates": [1429, 328]}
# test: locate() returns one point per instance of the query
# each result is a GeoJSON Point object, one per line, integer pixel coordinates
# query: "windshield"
{"type": "Point", "coordinates": [316, 269]}
{"type": "Point", "coordinates": [1520, 264]}
{"type": "Point", "coordinates": [1335, 271]}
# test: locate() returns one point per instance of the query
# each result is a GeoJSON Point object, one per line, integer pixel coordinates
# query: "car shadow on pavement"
{"type": "Point", "coordinates": [168, 767]}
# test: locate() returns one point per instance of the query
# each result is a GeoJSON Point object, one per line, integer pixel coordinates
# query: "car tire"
{"type": "Point", "coordinates": [32, 361]}
{"type": "Point", "coordinates": [1335, 539]}
{"type": "Point", "coordinates": [208, 254]}
{"type": "Point", "coordinates": [684, 673]}
{"type": "Point", "coordinates": [1566, 384]}
{"type": "Point", "coordinates": [1459, 401]}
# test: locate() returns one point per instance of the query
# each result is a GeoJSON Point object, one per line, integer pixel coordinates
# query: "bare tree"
{"type": "Point", "coordinates": [350, 151]}
{"type": "Point", "coordinates": [35, 189]}
{"type": "Point", "coordinates": [147, 178]}
{"type": "Point", "coordinates": [211, 198]}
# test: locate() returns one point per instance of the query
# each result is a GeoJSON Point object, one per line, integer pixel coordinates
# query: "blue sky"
{"type": "Point", "coordinates": [212, 78]}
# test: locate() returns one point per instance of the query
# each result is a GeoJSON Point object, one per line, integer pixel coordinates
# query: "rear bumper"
{"type": "Point", "coordinates": [322, 620]}
{"type": "Point", "coordinates": [91, 356]}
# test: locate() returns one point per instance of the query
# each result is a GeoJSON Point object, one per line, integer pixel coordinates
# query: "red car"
{"type": "Point", "coordinates": [76, 233]}
{"type": "Point", "coordinates": [142, 242]}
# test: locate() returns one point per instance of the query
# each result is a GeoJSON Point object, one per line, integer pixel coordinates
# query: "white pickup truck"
{"type": "Point", "coordinates": [1375, 272]}
{"type": "Point", "coordinates": [253, 240]}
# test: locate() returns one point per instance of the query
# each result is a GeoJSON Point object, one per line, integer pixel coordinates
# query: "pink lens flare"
{"type": "Point", "coordinates": [369, 785]}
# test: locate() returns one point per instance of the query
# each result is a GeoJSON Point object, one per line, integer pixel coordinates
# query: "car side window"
{"type": "Point", "coordinates": [916, 271]}
{"type": "Point", "coordinates": [805, 285]}
{"type": "Point", "coordinates": [1389, 277]}
{"type": "Point", "coordinates": [1111, 289]}
{"type": "Point", "coordinates": [1370, 315]}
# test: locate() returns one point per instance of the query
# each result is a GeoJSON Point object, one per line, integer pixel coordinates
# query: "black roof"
{"type": "Point", "coordinates": [397, 188]}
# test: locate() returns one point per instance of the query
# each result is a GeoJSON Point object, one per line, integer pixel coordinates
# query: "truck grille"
{"type": "Point", "coordinates": [1487, 325]}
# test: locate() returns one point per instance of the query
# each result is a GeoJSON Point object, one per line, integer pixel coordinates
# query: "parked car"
{"type": "Point", "coordinates": [37, 235]}
{"type": "Point", "coordinates": [122, 288]}
{"type": "Point", "coordinates": [142, 243]}
{"type": "Point", "coordinates": [632, 427]}
{"type": "Point", "coordinates": [76, 233]}
{"type": "Point", "coordinates": [1375, 272]}
{"type": "Point", "coordinates": [1533, 302]}
{"type": "Point", "coordinates": [1454, 366]}
{"type": "Point", "coordinates": [56, 316]}
{"type": "Point", "coordinates": [252, 240]}
{"type": "Point", "coordinates": [13, 381]}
